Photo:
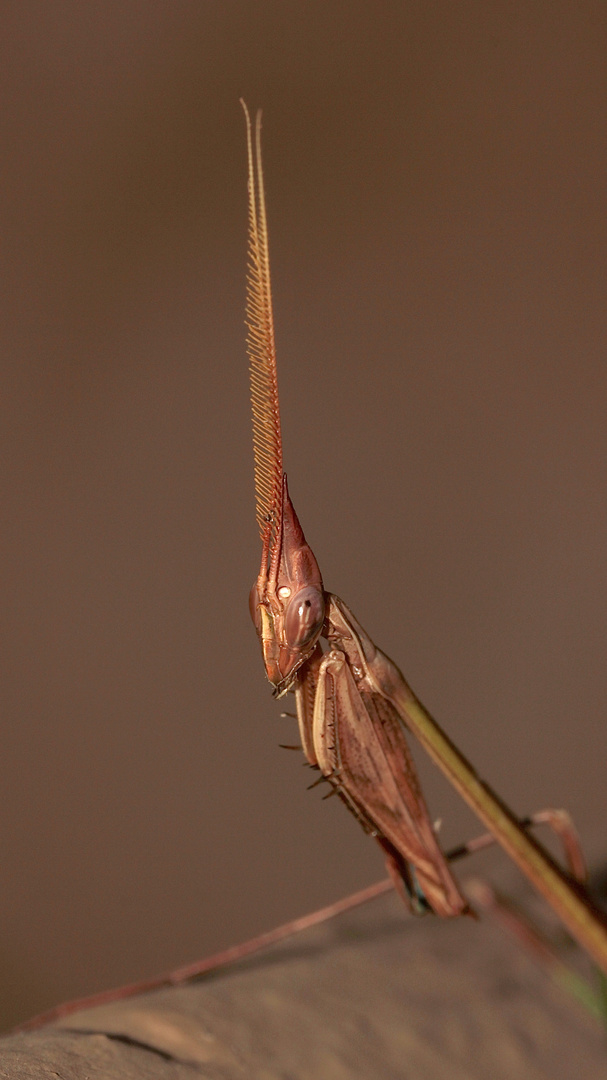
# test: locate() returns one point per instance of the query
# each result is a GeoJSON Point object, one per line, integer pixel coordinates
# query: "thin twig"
{"type": "Point", "coordinates": [559, 820]}
{"type": "Point", "coordinates": [584, 920]}
{"type": "Point", "coordinates": [189, 972]}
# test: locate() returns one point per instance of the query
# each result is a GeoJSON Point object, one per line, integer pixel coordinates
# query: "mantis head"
{"type": "Point", "coordinates": [287, 602]}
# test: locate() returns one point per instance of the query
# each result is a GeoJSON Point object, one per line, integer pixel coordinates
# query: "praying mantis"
{"type": "Point", "coordinates": [353, 704]}
{"type": "Point", "coordinates": [349, 727]}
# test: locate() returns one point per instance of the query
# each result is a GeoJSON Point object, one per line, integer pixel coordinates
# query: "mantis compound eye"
{"type": "Point", "coordinates": [304, 617]}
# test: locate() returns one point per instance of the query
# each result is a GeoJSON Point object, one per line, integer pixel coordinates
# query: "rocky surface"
{"type": "Point", "coordinates": [369, 996]}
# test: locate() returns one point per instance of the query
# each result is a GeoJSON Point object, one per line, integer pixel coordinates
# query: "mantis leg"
{"type": "Point", "coordinates": [305, 691]}
{"type": "Point", "coordinates": [360, 747]}
{"type": "Point", "coordinates": [562, 826]}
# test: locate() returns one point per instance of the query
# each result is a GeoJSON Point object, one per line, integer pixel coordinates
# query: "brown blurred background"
{"type": "Point", "coordinates": [436, 180]}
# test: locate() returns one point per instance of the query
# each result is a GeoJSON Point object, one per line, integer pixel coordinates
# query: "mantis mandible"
{"type": "Point", "coordinates": [353, 704]}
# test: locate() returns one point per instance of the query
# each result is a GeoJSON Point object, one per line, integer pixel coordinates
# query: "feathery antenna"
{"type": "Point", "coordinates": [267, 442]}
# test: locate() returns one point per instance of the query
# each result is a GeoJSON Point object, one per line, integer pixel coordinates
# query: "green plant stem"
{"type": "Point", "coordinates": [586, 923]}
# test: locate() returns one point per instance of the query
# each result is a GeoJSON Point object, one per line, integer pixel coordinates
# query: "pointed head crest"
{"type": "Point", "coordinates": [287, 601]}
{"type": "Point", "coordinates": [267, 442]}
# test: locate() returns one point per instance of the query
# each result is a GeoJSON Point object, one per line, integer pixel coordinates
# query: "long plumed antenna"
{"type": "Point", "coordinates": [267, 442]}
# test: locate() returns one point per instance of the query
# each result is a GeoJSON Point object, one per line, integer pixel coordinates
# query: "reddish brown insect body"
{"type": "Point", "coordinates": [349, 727]}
